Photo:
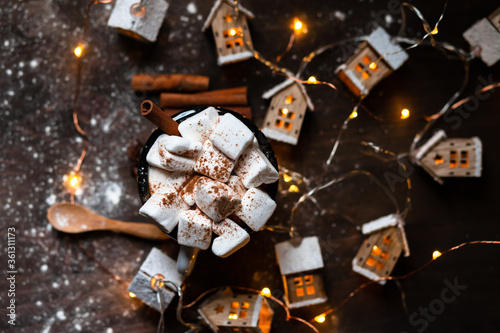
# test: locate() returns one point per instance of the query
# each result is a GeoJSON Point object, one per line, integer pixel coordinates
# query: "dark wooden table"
{"type": "Point", "coordinates": [61, 289]}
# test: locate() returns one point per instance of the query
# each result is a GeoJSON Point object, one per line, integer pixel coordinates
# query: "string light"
{"type": "Point", "coordinates": [293, 188]}
{"type": "Point", "coordinates": [320, 319]}
{"type": "Point", "coordinates": [287, 178]}
{"type": "Point", "coordinates": [405, 113]}
{"type": "Point", "coordinates": [132, 295]}
{"type": "Point", "coordinates": [266, 292]}
{"type": "Point", "coordinates": [353, 115]}
{"type": "Point", "coordinates": [312, 80]}
{"type": "Point", "coordinates": [436, 254]}
{"type": "Point", "coordinates": [435, 31]}
{"type": "Point", "coordinates": [78, 51]}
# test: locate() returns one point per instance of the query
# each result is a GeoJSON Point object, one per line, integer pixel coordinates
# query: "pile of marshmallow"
{"type": "Point", "coordinates": [207, 179]}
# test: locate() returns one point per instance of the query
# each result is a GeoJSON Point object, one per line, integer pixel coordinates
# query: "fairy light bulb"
{"type": "Point", "coordinates": [436, 254]}
{"type": "Point", "coordinates": [132, 295]}
{"type": "Point", "coordinates": [74, 181]}
{"type": "Point", "coordinates": [293, 188]}
{"type": "Point", "coordinates": [435, 31]}
{"type": "Point", "coordinates": [405, 113]}
{"type": "Point", "coordinates": [78, 51]}
{"type": "Point", "coordinates": [320, 319]}
{"type": "Point", "coordinates": [312, 80]}
{"type": "Point", "coordinates": [287, 178]}
{"type": "Point", "coordinates": [298, 26]}
{"type": "Point", "coordinates": [353, 115]}
{"type": "Point", "coordinates": [266, 292]}
{"type": "Point", "coordinates": [372, 65]}
{"type": "Point", "coordinates": [232, 32]}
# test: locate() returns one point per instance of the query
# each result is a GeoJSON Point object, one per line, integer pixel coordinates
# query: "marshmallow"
{"type": "Point", "coordinates": [231, 238]}
{"type": "Point", "coordinates": [237, 186]}
{"type": "Point", "coordinates": [162, 180]}
{"type": "Point", "coordinates": [256, 208]}
{"type": "Point", "coordinates": [213, 163]}
{"type": "Point", "coordinates": [157, 178]}
{"type": "Point", "coordinates": [200, 126]}
{"type": "Point", "coordinates": [153, 156]}
{"type": "Point", "coordinates": [195, 229]}
{"type": "Point", "coordinates": [173, 162]}
{"type": "Point", "coordinates": [254, 168]}
{"type": "Point", "coordinates": [180, 146]}
{"type": "Point", "coordinates": [231, 136]}
{"type": "Point", "coordinates": [188, 192]}
{"type": "Point", "coordinates": [215, 199]}
{"type": "Point", "coordinates": [164, 208]}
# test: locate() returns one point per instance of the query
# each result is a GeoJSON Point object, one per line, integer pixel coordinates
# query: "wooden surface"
{"type": "Point", "coordinates": [60, 289]}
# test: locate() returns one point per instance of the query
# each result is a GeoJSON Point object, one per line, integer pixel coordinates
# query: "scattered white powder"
{"type": "Point", "coordinates": [60, 315]}
{"type": "Point", "coordinates": [388, 19]}
{"type": "Point", "coordinates": [34, 63]}
{"type": "Point", "coordinates": [78, 327]}
{"type": "Point", "coordinates": [44, 268]}
{"type": "Point", "coordinates": [51, 199]}
{"type": "Point", "coordinates": [114, 193]}
{"type": "Point", "coordinates": [339, 15]}
{"type": "Point", "coordinates": [38, 303]}
{"type": "Point", "coordinates": [109, 330]}
{"type": "Point", "coordinates": [191, 8]}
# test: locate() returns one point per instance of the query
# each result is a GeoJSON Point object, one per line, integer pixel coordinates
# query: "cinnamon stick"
{"type": "Point", "coordinates": [166, 82]}
{"type": "Point", "coordinates": [156, 115]}
{"type": "Point", "coordinates": [233, 96]}
{"type": "Point", "coordinates": [245, 111]}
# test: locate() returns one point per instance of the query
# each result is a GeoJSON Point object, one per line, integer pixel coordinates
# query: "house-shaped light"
{"type": "Point", "coordinates": [484, 38]}
{"type": "Point", "coordinates": [230, 29]}
{"type": "Point", "coordinates": [377, 57]}
{"type": "Point", "coordinates": [286, 112]}
{"type": "Point", "coordinates": [300, 264]}
{"type": "Point", "coordinates": [227, 312]}
{"type": "Point", "coordinates": [156, 266]}
{"type": "Point", "coordinates": [380, 251]}
{"type": "Point", "coordinates": [140, 22]}
{"type": "Point", "coordinates": [456, 157]}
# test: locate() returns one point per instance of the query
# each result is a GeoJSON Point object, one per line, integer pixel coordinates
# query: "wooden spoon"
{"type": "Point", "coordinates": [74, 219]}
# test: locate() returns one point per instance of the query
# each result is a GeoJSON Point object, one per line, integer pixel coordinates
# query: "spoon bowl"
{"type": "Point", "coordinates": [72, 218]}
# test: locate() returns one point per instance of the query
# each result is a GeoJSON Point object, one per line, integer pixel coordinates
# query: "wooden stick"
{"type": "Point", "coordinates": [245, 111]}
{"type": "Point", "coordinates": [159, 118]}
{"type": "Point", "coordinates": [233, 96]}
{"type": "Point", "coordinates": [166, 82]}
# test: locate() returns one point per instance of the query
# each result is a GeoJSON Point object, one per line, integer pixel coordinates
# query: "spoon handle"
{"type": "Point", "coordinates": [143, 230]}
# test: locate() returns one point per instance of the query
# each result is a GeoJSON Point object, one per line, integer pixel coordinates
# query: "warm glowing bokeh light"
{"type": "Point", "coordinates": [266, 292]}
{"type": "Point", "coordinates": [293, 188]}
{"type": "Point", "coordinates": [436, 254]}
{"type": "Point", "coordinates": [78, 51]}
{"type": "Point", "coordinates": [434, 31]}
{"type": "Point", "coordinates": [320, 319]}
{"type": "Point", "coordinates": [131, 295]}
{"type": "Point", "coordinates": [232, 32]}
{"type": "Point", "coordinates": [298, 26]}
{"type": "Point", "coordinates": [287, 178]}
{"type": "Point", "coordinates": [312, 80]}
{"type": "Point", "coordinates": [233, 316]}
{"type": "Point", "coordinates": [405, 113]}
{"type": "Point", "coordinates": [74, 181]}
{"type": "Point", "coordinates": [372, 65]}
{"type": "Point", "coordinates": [353, 115]}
